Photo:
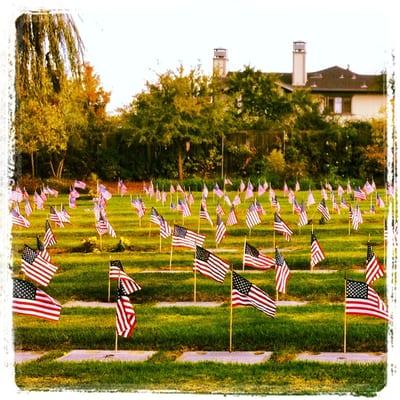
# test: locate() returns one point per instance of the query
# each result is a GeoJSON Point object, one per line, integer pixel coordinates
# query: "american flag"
{"type": "Point", "coordinates": [303, 219]}
{"type": "Point", "coordinates": [285, 189]}
{"type": "Point", "coordinates": [41, 249]}
{"type": "Point", "coordinates": [71, 200]}
{"type": "Point", "coordinates": [356, 217]}
{"type": "Point", "coordinates": [29, 300]}
{"type": "Point", "coordinates": [126, 317]}
{"type": "Point", "coordinates": [151, 189]}
{"type": "Point", "coordinates": [368, 189]}
{"type": "Point", "coordinates": [74, 193]}
{"type": "Point", "coordinates": [184, 208]}
{"type": "Point", "coordinates": [249, 191]}
{"type": "Point", "coordinates": [179, 188]}
{"type": "Point", "coordinates": [190, 198]}
{"type": "Point", "coordinates": [18, 219]}
{"type": "Point", "coordinates": [110, 230]}
{"type": "Point", "coordinates": [245, 293]}
{"type": "Point", "coordinates": [310, 198]}
{"type": "Point", "coordinates": [205, 192]}
{"type": "Point", "coordinates": [171, 188]}
{"type": "Point", "coordinates": [361, 299]}
{"type": "Point", "coordinates": [271, 193]}
{"type": "Point", "coordinates": [261, 189]}
{"type": "Point", "coordinates": [227, 181]}
{"type": "Point", "coordinates": [335, 205]}
{"type": "Point", "coordinates": [390, 190]}
{"type": "Point", "coordinates": [38, 201]}
{"type": "Point", "coordinates": [359, 194]}
{"type": "Point", "coordinates": [282, 272]}
{"type": "Point", "coordinates": [154, 216]}
{"type": "Point", "coordinates": [324, 195]}
{"type": "Point", "coordinates": [65, 217]}
{"type": "Point", "coordinates": [80, 185]}
{"type": "Point", "coordinates": [182, 237]}
{"type": "Point", "coordinates": [275, 203]}
{"type": "Point", "coordinates": [163, 197]}
{"type": "Point", "coordinates": [296, 206]}
{"type": "Point", "coordinates": [104, 192]}
{"type": "Point", "coordinates": [297, 186]}
{"type": "Point", "coordinates": [291, 196]}
{"type": "Point", "coordinates": [232, 219]}
{"type": "Point", "coordinates": [340, 191]}
{"type": "Point", "coordinates": [56, 217]}
{"type": "Point", "coordinates": [220, 230]}
{"type": "Point", "coordinates": [236, 201]}
{"type": "Point", "coordinates": [25, 194]}
{"type": "Point", "coordinates": [139, 206]}
{"type": "Point", "coordinates": [317, 254]}
{"type": "Point", "coordinates": [349, 190]}
{"type": "Point", "coordinates": [36, 267]}
{"type": "Point", "coordinates": [204, 213]}
{"type": "Point", "coordinates": [227, 200]}
{"type": "Point", "coordinates": [219, 210]}
{"type": "Point", "coordinates": [343, 203]}
{"type": "Point", "coordinates": [116, 272]}
{"type": "Point", "coordinates": [281, 227]}
{"type": "Point", "coordinates": [373, 184]}
{"type": "Point", "coordinates": [374, 270]}
{"type": "Point", "coordinates": [242, 186]}
{"type": "Point", "coordinates": [210, 265]}
{"type": "Point", "coordinates": [328, 186]}
{"type": "Point", "coordinates": [121, 187]}
{"type": "Point", "coordinates": [323, 209]}
{"type": "Point", "coordinates": [101, 226]}
{"type": "Point", "coordinates": [43, 195]}
{"type": "Point", "coordinates": [218, 192]}
{"type": "Point", "coordinates": [28, 208]}
{"type": "Point", "coordinates": [259, 207]}
{"type": "Point", "coordinates": [252, 217]}
{"type": "Point", "coordinates": [253, 258]}
{"type": "Point", "coordinates": [49, 238]}
{"type": "Point", "coordinates": [165, 229]}
{"type": "Point", "coordinates": [379, 202]}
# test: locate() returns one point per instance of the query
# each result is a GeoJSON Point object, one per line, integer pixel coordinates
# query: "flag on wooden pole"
{"type": "Point", "coordinates": [253, 258]}
{"type": "Point", "coordinates": [29, 300]}
{"type": "Point", "coordinates": [210, 265]}
{"type": "Point", "coordinates": [183, 237]}
{"type": "Point", "coordinates": [116, 272]}
{"type": "Point", "coordinates": [280, 226]}
{"type": "Point", "coordinates": [282, 272]}
{"type": "Point", "coordinates": [374, 270]}
{"type": "Point", "coordinates": [220, 230]}
{"type": "Point", "coordinates": [49, 238]}
{"type": "Point", "coordinates": [317, 254]}
{"type": "Point", "coordinates": [126, 317]}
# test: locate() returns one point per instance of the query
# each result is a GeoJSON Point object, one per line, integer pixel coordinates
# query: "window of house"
{"type": "Point", "coordinates": [338, 105]}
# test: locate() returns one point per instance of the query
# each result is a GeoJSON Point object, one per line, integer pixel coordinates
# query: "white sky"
{"type": "Point", "coordinates": [128, 42]}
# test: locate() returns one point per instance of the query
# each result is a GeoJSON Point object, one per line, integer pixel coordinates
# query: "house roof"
{"type": "Point", "coordinates": [337, 79]}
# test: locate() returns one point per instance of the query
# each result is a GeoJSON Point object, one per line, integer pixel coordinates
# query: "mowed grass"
{"type": "Point", "coordinates": [315, 327]}
{"type": "Point", "coordinates": [162, 374]}
{"type": "Point", "coordinates": [307, 328]}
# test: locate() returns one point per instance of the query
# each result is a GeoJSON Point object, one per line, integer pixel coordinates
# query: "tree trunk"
{"type": "Point", "coordinates": [52, 169]}
{"type": "Point", "coordinates": [180, 162]}
{"type": "Point", "coordinates": [60, 168]}
{"type": "Point", "coordinates": [33, 165]}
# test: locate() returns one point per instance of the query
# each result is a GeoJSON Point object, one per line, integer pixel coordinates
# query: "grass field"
{"type": "Point", "coordinates": [317, 326]}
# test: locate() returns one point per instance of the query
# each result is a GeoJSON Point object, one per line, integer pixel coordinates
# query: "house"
{"type": "Point", "coordinates": [340, 91]}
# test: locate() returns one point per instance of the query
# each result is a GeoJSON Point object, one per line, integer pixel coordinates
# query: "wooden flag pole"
{"type": "Point", "coordinates": [231, 315]}
{"type": "Point", "coordinates": [384, 242]}
{"type": "Point", "coordinates": [109, 280]}
{"type": "Point", "coordinates": [244, 250]}
{"type": "Point", "coordinates": [194, 281]}
{"type": "Point", "coordinates": [160, 239]}
{"type": "Point", "coordinates": [345, 315]}
{"type": "Point", "coordinates": [116, 333]}
{"type": "Point", "coordinates": [149, 227]}
{"type": "Point", "coordinates": [170, 257]}
{"type": "Point", "coordinates": [312, 231]}
{"type": "Point", "coordinates": [349, 225]}
{"type": "Point", "coordinates": [101, 242]}
{"type": "Point", "coordinates": [198, 222]}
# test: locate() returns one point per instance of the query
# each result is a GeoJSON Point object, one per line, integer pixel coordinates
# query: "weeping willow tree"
{"type": "Point", "coordinates": [48, 54]}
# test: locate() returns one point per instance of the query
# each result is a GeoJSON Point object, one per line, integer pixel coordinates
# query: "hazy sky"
{"type": "Point", "coordinates": [129, 42]}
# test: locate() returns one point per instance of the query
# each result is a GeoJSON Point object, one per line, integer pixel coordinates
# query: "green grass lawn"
{"type": "Point", "coordinates": [317, 326]}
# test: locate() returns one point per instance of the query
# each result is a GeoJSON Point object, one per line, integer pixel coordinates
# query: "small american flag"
{"type": "Point", "coordinates": [343, 203]}
{"type": "Point", "coordinates": [18, 219]}
{"type": "Point", "coordinates": [184, 208]}
{"type": "Point", "coordinates": [232, 219]}
{"type": "Point", "coordinates": [65, 217]}
{"type": "Point", "coordinates": [379, 202]}
{"type": "Point", "coordinates": [220, 230]}
{"type": "Point", "coordinates": [219, 210]}
{"type": "Point", "coordinates": [340, 191]}
{"type": "Point", "coordinates": [317, 254]}
{"type": "Point", "coordinates": [179, 188]}
{"type": "Point", "coordinates": [359, 194]}
{"type": "Point", "coordinates": [101, 226]}
{"type": "Point", "coordinates": [80, 185]}
{"type": "Point", "coordinates": [227, 200]}
{"type": "Point", "coordinates": [205, 192]}
{"type": "Point", "coordinates": [281, 227]}
{"type": "Point", "coordinates": [36, 267]}
{"type": "Point", "coordinates": [335, 205]}
{"type": "Point", "coordinates": [282, 272]}
{"type": "Point", "coordinates": [122, 187]}
{"type": "Point", "coordinates": [285, 189]}
{"type": "Point", "coordinates": [323, 209]}
{"type": "Point", "coordinates": [165, 229]}
{"type": "Point", "coordinates": [261, 189]}
{"type": "Point", "coordinates": [297, 186]}
{"type": "Point", "coordinates": [245, 293]}
{"type": "Point", "coordinates": [242, 186]}
{"type": "Point", "coordinates": [291, 196]}
{"type": "Point", "coordinates": [259, 207]}
{"type": "Point", "coordinates": [154, 216]}
{"type": "Point", "coordinates": [29, 300]}
{"type": "Point", "coordinates": [56, 217]}
{"type": "Point", "coordinates": [252, 217]}
{"type": "Point", "coordinates": [190, 198]}
{"type": "Point", "coordinates": [139, 206]}
{"type": "Point", "coordinates": [126, 317]}
{"type": "Point", "coordinates": [28, 208]}
{"type": "Point", "coordinates": [349, 190]}
{"type": "Point", "coordinates": [374, 270]}
{"type": "Point", "coordinates": [218, 192]}
{"type": "Point", "coordinates": [361, 299]}
{"type": "Point", "coordinates": [356, 217]}
{"type": "Point", "coordinates": [163, 197]}
{"type": "Point", "coordinates": [310, 199]}
{"type": "Point", "coordinates": [296, 207]}
{"type": "Point", "coordinates": [49, 238]}
{"type": "Point", "coordinates": [236, 201]}
{"type": "Point", "coordinates": [171, 189]}
{"type": "Point", "coordinates": [303, 219]}
{"type": "Point", "coordinates": [210, 265]}
{"type": "Point", "coordinates": [249, 191]}
{"type": "Point", "coordinates": [253, 258]}
{"type": "Point", "coordinates": [324, 195]}
{"type": "Point", "coordinates": [183, 237]}
{"type": "Point", "coordinates": [71, 200]}
{"type": "Point", "coordinates": [368, 189]}
{"type": "Point", "coordinates": [38, 201]}
{"type": "Point", "coordinates": [116, 272]}
{"type": "Point", "coordinates": [328, 186]}
{"type": "Point", "coordinates": [204, 213]}
{"type": "Point", "coordinates": [41, 249]}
